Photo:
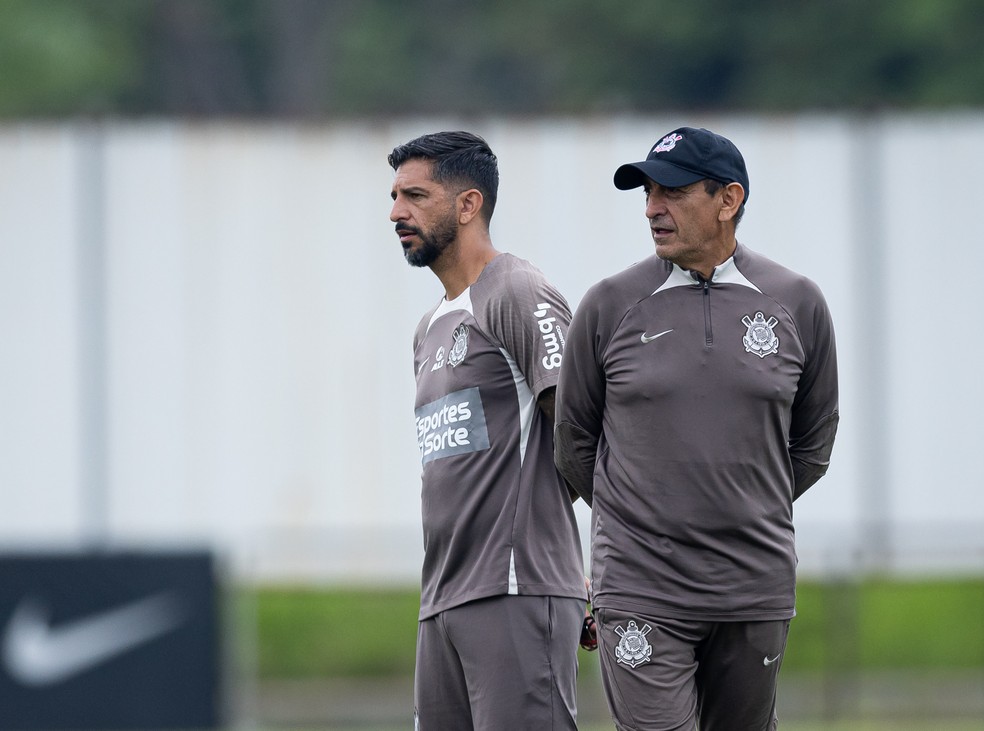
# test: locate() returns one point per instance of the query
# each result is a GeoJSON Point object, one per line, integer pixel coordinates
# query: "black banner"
{"type": "Point", "coordinates": [109, 640]}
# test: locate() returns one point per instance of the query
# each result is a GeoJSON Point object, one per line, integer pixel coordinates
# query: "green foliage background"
{"type": "Point", "coordinates": [870, 625]}
{"type": "Point", "coordinates": [357, 58]}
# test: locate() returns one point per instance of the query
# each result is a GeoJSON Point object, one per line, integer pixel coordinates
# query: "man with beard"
{"type": "Point", "coordinates": [502, 592]}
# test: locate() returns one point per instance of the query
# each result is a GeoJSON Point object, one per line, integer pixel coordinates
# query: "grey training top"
{"type": "Point", "coordinates": [497, 515]}
{"type": "Point", "coordinates": [693, 413]}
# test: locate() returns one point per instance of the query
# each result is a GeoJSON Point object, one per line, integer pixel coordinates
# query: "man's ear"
{"type": "Point", "coordinates": [732, 196]}
{"type": "Point", "coordinates": [469, 204]}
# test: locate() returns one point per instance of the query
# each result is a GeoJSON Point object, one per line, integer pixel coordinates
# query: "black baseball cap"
{"type": "Point", "coordinates": [685, 156]}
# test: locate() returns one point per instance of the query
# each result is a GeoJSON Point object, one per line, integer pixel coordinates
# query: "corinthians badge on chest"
{"type": "Point", "coordinates": [760, 338]}
{"type": "Point", "coordinates": [633, 649]}
{"type": "Point", "coordinates": [460, 348]}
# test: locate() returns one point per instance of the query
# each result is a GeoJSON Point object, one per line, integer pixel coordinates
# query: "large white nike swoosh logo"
{"type": "Point", "coordinates": [650, 338]}
{"type": "Point", "coordinates": [36, 653]}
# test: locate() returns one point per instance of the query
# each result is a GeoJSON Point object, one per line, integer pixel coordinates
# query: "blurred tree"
{"type": "Point", "coordinates": [62, 57]}
{"type": "Point", "coordinates": [302, 49]}
{"type": "Point", "coordinates": [195, 56]}
{"type": "Point", "coordinates": [321, 58]}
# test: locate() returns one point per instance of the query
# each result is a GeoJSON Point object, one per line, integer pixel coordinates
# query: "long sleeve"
{"type": "Point", "coordinates": [815, 410]}
{"type": "Point", "coordinates": [580, 402]}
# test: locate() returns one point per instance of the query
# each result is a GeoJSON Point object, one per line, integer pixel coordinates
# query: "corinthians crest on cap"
{"type": "Point", "coordinates": [460, 348]}
{"type": "Point", "coordinates": [633, 649]}
{"type": "Point", "coordinates": [760, 338]}
{"type": "Point", "coordinates": [667, 143]}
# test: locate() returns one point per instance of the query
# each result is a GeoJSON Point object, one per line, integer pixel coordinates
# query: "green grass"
{"type": "Point", "coordinates": [335, 633]}
{"type": "Point", "coordinates": [924, 634]}
{"type": "Point", "coordinates": [881, 624]}
{"type": "Point", "coordinates": [874, 624]}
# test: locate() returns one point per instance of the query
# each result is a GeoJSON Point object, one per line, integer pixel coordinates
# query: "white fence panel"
{"type": "Point", "coordinates": [205, 328]}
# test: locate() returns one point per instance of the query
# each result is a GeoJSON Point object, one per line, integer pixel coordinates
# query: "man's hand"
{"type": "Point", "coordinates": [589, 633]}
{"type": "Point", "coordinates": [589, 630]}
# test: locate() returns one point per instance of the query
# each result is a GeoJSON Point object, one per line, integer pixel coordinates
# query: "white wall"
{"type": "Point", "coordinates": [253, 343]}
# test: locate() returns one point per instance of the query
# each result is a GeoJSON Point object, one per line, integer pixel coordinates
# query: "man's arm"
{"type": "Point", "coordinates": [580, 403]}
{"type": "Point", "coordinates": [811, 454]}
{"type": "Point", "coordinates": [547, 401]}
{"type": "Point", "coordinates": [589, 628]}
{"type": "Point", "coordinates": [815, 416]}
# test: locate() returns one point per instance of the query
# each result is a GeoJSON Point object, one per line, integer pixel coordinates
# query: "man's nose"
{"type": "Point", "coordinates": [655, 204]}
{"type": "Point", "coordinates": [396, 212]}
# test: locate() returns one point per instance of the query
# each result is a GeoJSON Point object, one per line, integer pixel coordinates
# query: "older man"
{"type": "Point", "coordinates": [697, 401]}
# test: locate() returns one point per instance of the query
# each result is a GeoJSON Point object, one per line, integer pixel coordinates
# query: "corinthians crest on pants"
{"type": "Point", "coordinates": [760, 338]}
{"type": "Point", "coordinates": [633, 649]}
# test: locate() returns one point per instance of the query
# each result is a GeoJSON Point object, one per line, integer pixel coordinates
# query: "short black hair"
{"type": "Point", "coordinates": [461, 160]}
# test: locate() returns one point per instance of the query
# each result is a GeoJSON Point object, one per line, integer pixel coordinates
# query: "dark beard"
{"type": "Point", "coordinates": [432, 244]}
